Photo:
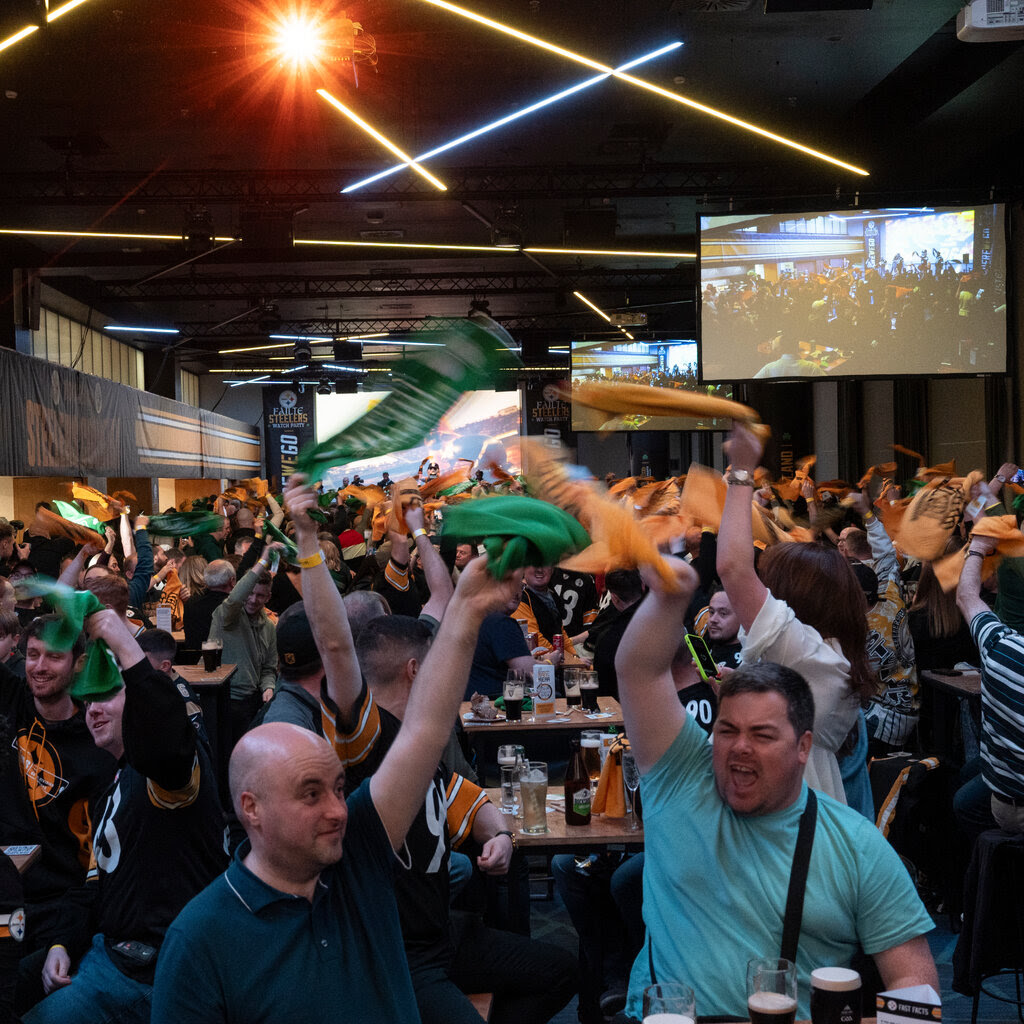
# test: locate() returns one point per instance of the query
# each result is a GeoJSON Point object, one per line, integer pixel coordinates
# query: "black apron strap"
{"type": "Point", "coordinates": [798, 879]}
{"type": "Point", "coordinates": [797, 885]}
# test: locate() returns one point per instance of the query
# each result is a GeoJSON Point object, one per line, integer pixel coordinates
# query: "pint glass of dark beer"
{"type": "Point", "coordinates": [771, 991]}
{"type": "Point", "coordinates": [513, 694]}
{"type": "Point", "coordinates": [213, 650]}
{"type": "Point", "coordinates": [835, 996]}
{"type": "Point", "coordinates": [588, 691]}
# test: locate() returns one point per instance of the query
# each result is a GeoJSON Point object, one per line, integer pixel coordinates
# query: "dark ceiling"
{"type": "Point", "coordinates": [173, 117]}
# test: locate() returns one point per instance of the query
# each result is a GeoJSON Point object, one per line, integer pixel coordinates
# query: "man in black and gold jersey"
{"type": "Point", "coordinates": [158, 839]}
{"type": "Point", "coordinates": [56, 771]}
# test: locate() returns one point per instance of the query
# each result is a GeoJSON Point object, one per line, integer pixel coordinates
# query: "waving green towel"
{"type": "Point", "coordinates": [516, 531]}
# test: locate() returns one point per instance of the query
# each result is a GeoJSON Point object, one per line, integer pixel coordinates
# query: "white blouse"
{"type": "Point", "coordinates": [778, 635]}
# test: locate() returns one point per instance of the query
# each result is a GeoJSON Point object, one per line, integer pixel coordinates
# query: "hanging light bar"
{"type": "Point", "coordinates": [501, 122]}
{"type": "Point", "coordinates": [642, 84]}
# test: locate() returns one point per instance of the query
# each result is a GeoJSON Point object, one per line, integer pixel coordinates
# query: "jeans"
{"type": "Point", "coordinates": [460, 871]}
{"type": "Point", "coordinates": [531, 980]}
{"type": "Point", "coordinates": [605, 904]}
{"type": "Point", "coordinates": [972, 804]}
{"type": "Point", "coordinates": [98, 994]}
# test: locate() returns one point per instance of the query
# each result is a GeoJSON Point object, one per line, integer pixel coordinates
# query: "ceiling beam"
{"type": "Point", "coordinates": [74, 188]}
{"type": "Point", "coordinates": [279, 286]}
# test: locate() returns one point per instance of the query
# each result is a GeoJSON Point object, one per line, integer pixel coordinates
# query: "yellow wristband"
{"type": "Point", "coordinates": [867, 516]}
{"type": "Point", "coordinates": [312, 561]}
{"type": "Point", "coordinates": [419, 532]}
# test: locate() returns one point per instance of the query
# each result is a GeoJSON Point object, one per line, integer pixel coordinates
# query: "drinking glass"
{"type": "Point", "coordinates": [513, 691]}
{"type": "Point", "coordinates": [669, 1002]}
{"type": "Point", "coordinates": [533, 789]}
{"type": "Point", "coordinates": [631, 780]}
{"type": "Point", "coordinates": [509, 788]}
{"type": "Point", "coordinates": [571, 685]}
{"type": "Point", "coordinates": [213, 650]}
{"type": "Point", "coordinates": [771, 991]}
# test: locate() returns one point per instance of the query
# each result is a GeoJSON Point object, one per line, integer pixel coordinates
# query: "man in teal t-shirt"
{"type": "Point", "coordinates": [720, 827]}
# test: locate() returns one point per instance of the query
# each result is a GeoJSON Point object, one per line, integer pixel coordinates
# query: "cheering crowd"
{"type": "Point", "coordinates": [921, 313]}
{"type": "Point", "coordinates": [347, 876]}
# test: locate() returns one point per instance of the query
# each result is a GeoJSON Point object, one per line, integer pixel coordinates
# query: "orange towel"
{"type": "Point", "coordinates": [610, 799]}
{"type": "Point", "coordinates": [1010, 545]}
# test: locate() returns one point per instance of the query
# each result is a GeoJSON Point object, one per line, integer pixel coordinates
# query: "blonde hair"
{"type": "Point", "coordinates": [192, 574]}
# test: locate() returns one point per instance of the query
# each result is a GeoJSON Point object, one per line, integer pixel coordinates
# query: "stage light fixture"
{"type": "Point", "coordinates": [387, 143]}
{"type": "Point", "coordinates": [501, 122]}
{"type": "Point", "coordinates": [642, 84]}
{"type": "Point", "coordinates": [299, 40]}
{"type": "Point", "coordinates": [302, 353]}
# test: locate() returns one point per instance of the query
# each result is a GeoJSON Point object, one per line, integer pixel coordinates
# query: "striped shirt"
{"type": "Point", "coordinates": [1002, 704]}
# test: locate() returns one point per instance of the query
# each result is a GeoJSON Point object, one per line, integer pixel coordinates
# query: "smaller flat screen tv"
{"type": "Point", "coordinates": [668, 364]}
{"type": "Point", "coordinates": [483, 426]}
{"type": "Point", "coordinates": [853, 293]}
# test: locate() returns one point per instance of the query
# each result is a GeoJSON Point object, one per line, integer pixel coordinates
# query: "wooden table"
{"type": "Point", "coordinates": [602, 832]}
{"type": "Point", "coordinates": [610, 714]}
{"type": "Point", "coordinates": [23, 856]}
{"type": "Point", "coordinates": [950, 704]}
{"type": "Point", "coordinates": [213, 692]}
{"type": "Point", "coordinates": [549, 738]}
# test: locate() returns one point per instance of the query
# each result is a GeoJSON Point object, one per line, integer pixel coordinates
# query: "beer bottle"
{"type": "Point", "coordinates": [577, 788]}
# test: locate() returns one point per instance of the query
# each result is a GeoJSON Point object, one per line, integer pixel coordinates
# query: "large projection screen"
{"type": "Point", "coordinates": [867, 293]}
{"type": "Point", "coordinates": [483, 426]}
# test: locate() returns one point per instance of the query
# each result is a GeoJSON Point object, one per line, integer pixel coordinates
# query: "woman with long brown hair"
{"type": "Point", "coordinates": [805, 610]}
{"type": "Point", "coordinates": [941, 637]}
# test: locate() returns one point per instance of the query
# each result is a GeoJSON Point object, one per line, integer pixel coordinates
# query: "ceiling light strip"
{"type": "Point", "coordinates": [642, 84]}
{"type": "Point", "coordinates": [69, 6]}
{"type": "Point", "coordinates": [101, 234]}
{"type": "Point", "coordinates": [387, 143]}
{"type": "Point", "coordinates": [508, 119]}
{"type": "Point", "coordinates": [586, 302]}
{"type": "Point", "coordinates": [18, 36]}
{"type": "Point", "coordinates": [611, 252]}
{"type": "Point", "coordinates": [494, 248]}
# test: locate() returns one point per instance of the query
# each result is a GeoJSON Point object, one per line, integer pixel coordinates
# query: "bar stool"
{"type": "Point", "coordinates": [991, 944]}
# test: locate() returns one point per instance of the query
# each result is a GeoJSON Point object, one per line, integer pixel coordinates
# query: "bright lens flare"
{"type": "Point", "coordinates": [299, 41]}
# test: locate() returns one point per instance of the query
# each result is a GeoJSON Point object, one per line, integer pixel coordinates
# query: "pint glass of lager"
{"type": "Point", "coordinates": [771, 991]}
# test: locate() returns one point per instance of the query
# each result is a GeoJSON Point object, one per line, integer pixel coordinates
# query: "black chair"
{"type": "Point", "coordinates": [991, 944]}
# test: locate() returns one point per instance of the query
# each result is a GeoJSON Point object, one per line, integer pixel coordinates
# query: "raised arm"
{"type": "Point", "coordinates": [643, 664]}
{"type": "Point", "coordinates": [74, 568]}
{"type": "Point", "coordinates": [400, 784]}
{"type": "Point", "coordinates": [325, 607]}
{"type": "Point", "coordinates": [159, 741]}
{"type": "Point", "coordinates": [139, 584]}
{"type": "Point", "coordinates": [439, 579]}
{"type": "Point", "coordinates": [736, 569]}
{"type": "Point", "coordinates": [887, 566]}
{"type": "Point", "coordinates": [968, 591]}
{"type": "Point", "coordinates": [1003, 475]}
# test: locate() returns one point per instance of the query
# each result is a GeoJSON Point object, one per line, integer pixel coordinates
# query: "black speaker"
{"type": "Point", "coordinates": [347, 352]}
